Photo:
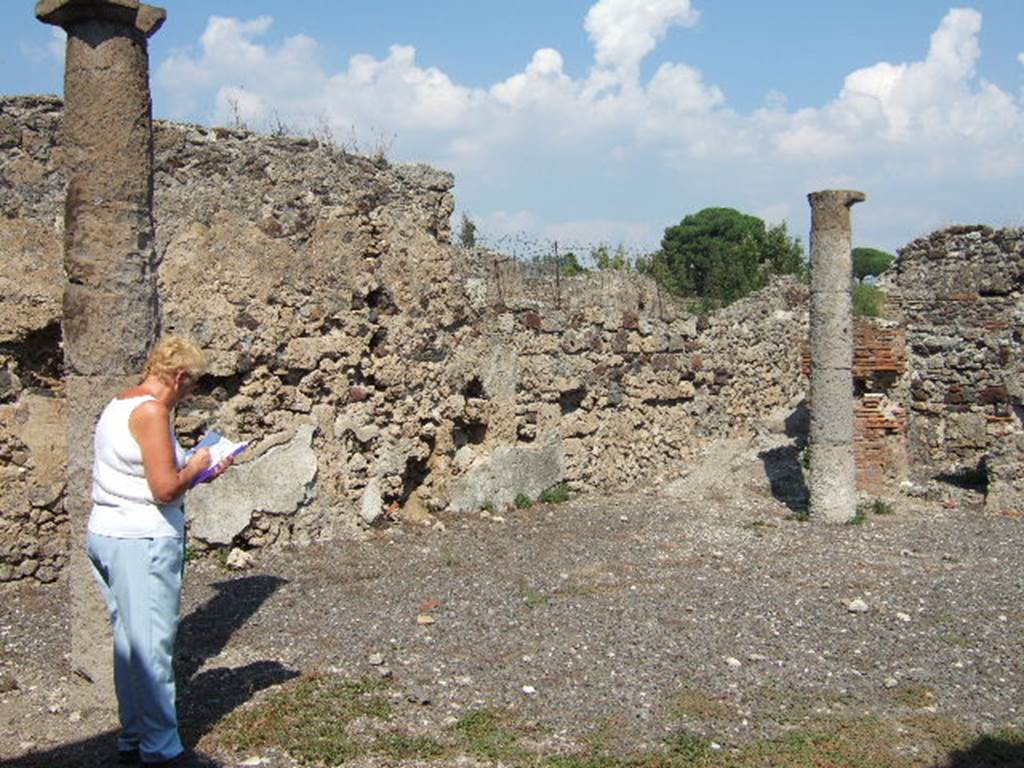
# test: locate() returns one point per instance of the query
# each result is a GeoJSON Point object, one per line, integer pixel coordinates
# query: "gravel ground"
{"type": "Point", "coordinates": [703, 601]}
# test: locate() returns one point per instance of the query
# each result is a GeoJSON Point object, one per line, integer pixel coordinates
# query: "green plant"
{"type": "Point", "coordinates": [569, 265]}
{"type": "Point", "coordinates": [467, 232]}
{"type": "Point", "coordinates": [606, 259]}
{"type": "Point", "coordinates": [489, 734]}
{"type": "Point", "coordinates": [534, 598]}
{"type": "Point", "coordinates": [308, 718]}
{"type": "Point", "coordinates": [913, 695]}
{"type": "Point", "coordinates": [860, 516]}
{"type": "Point", "coordinates": [556, 494]}
{"type": "Point", "coordinates": [401, 746]}
{"type": "Point", "coordinates": [880, 507]}
{"type": "Point", "coordinates": [522, 501]}
{"type": "Point", "coordinates": [488, 507]}
{"type": "Point", "coordinates": [868, 300]}
{"type": "Point", "coordinates": [800, 514]}
{"type": "Point", "coordinates": [805, 458]}
{"type": "Point", "coordinates": [451, 560]}
{"type": "Point", "coordinates": [685, 745]}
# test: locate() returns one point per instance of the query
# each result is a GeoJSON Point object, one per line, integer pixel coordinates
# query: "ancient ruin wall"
{"type": "Point", "coordinates": [382, 372]}
{"type": "Point", "coordinates": [960, 294]}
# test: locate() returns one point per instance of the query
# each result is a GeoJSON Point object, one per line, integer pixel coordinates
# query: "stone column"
{"type": "Point", "coordinates": [833, 482]}
{"type": "Point", "coordinates": [111, 314]}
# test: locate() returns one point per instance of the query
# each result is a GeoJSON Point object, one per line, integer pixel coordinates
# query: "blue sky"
{"type": "Point", "coordinates": [596, 121]}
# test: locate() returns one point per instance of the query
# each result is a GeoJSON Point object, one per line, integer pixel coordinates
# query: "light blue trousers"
{"type": "Point", "coordinates": [141, 582]}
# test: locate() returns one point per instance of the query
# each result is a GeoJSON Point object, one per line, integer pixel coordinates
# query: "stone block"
{"type": "Point", "coordinates": [499, 476]}
{"type": "Point", "coordinates": [277, 482]}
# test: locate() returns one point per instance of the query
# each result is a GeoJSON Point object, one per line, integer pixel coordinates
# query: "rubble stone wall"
{"type": "Point", "coordinates": [381, 372]}
{"type": "Point", "coordinates": [959, 295]}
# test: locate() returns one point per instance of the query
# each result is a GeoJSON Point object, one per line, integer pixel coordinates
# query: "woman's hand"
{"type": "Point", "coordinates": [199, 461]}
{"type": "Point", "coordinates": [220, 469]}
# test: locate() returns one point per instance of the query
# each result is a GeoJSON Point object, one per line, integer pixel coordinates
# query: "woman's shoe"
{"type": "Point", "coordinates": [128, 757]}
{"type": "Point", "coordinates": [180, 760]}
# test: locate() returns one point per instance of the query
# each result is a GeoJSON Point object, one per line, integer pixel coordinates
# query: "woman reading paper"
{"type": "Point", "coordinates": [136, 543]}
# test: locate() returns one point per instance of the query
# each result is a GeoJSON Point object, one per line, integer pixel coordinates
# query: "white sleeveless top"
{"type": "Point", "coordinates": [123, 504]}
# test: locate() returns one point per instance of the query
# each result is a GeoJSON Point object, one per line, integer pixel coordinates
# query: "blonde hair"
{"type": "Point", "coordinates": [172, 354]}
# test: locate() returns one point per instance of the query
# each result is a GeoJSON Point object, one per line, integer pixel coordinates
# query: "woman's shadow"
{"type": "Point", "coordinates": [203, 697]}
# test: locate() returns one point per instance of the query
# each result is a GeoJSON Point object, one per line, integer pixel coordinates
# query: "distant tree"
{"type": "Point", "coordinates": [720, 255]}
{"type": "Point", "coordinates": [467, 232]}
{"type": "Point", "coordinates": [782, 254]}
{"type": "Point", "coordinates": [606, 259]}
{"type": "Point", "coordinates": [570, 265]}
{"type": "Point", "coordinates": [870, 261]}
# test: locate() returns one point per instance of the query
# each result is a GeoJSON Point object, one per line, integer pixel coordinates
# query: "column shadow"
{"type": "Point", "coordinates": [783, 467]}
{"type": "Point", "coordinates": [203, 698]}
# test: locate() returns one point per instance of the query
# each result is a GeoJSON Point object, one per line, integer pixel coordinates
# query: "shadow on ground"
{"type": "Point", "coordinates": [204, 698]}
{"type": "Point", "coordinates": [989, 752]}
{"type": "Point", "coordinates": [782, 465]}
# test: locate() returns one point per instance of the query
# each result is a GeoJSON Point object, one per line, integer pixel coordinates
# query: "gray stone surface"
{"type": "Point", "coordinates": [833, 476]}
{"type": "Point", "coordinates": [499, 478]}
{"type": "Point", "coordinates": [146, 19]}
{"type": "Point", "coordinates": [371, 506]}
{"type": "Point", "coordinates": [276, 482]}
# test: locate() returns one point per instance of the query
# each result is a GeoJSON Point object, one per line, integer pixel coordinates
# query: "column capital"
{"type": "Point", "coordinates": [844, 197]}
{"type": "Point", "coordinates": [147, 19]}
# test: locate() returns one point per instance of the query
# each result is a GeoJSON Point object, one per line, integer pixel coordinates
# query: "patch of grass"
{"type": "Point", "coordinates": [556, 494]}
{"type": "Point", "coordinates": [847, 742]}
{"type": "Point", "coordinates": [880, 507]}
{"type": "Point", "coordinates": [401, 746]}
{"type": "Point", "coordinates": [535, 598]}
{"type": "Point", "coordinates": [587, 760]}
{"type": "Point", "coordinates": [683, 745]}
{"type": "Point", "coordinates": [308, 718]}
{"type": "Point", "coordinates": [703, 706]}
{"type": "Point", "coordinates": [913, 695]}
{"type": "Point", "coordinates": [488, 507]}
{"type": "Point", "coordinates": [491, 734]}
{"type": "Point", "coordinates": [873, 507]}
{"type": "Point", "coordinates": [522, 501]}
{"type": "Point", "coordinates": [800, 515]}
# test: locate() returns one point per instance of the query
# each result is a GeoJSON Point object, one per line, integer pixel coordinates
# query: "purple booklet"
{"type": "Point", "coordinates": [220, 448]}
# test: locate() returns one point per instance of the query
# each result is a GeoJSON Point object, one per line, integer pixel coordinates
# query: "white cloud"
{"type": "Point", "coordinates": [625, 31]}
{"type": "Point", "coordinates": [229, 61]}
{"type": "Point", "coordinates": [540, 138]}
